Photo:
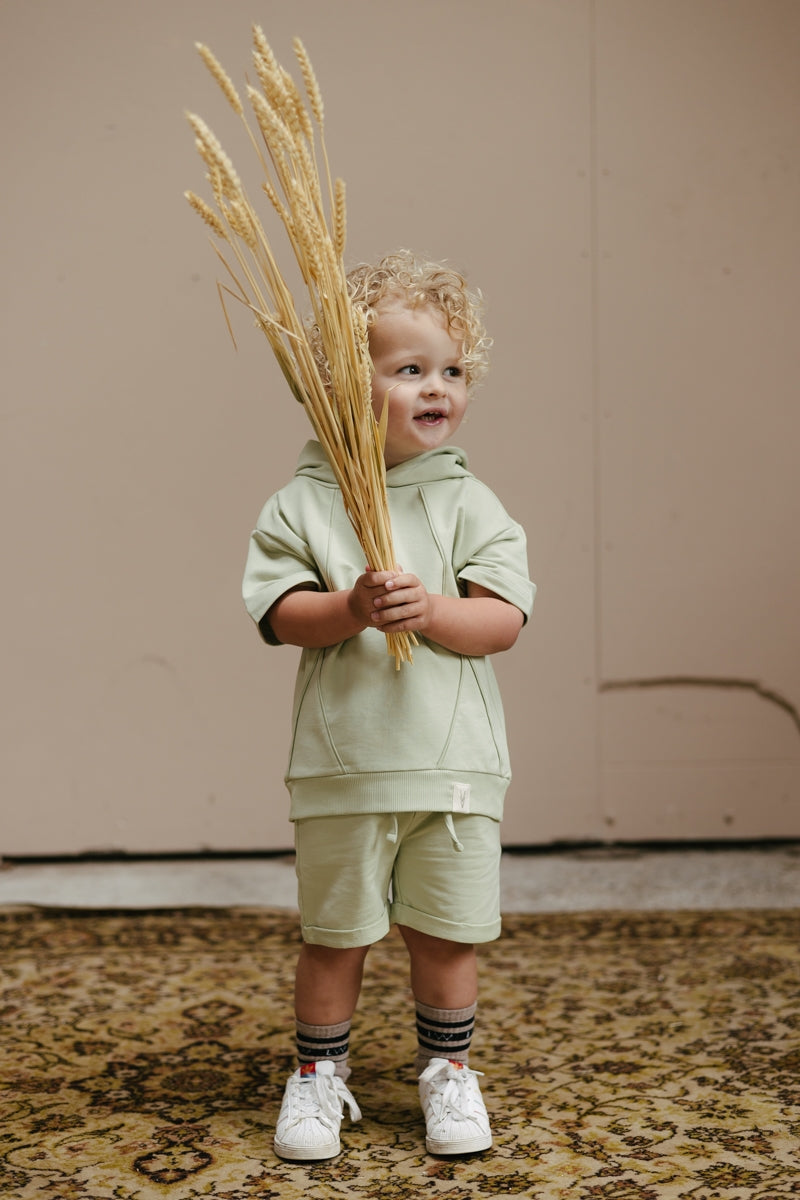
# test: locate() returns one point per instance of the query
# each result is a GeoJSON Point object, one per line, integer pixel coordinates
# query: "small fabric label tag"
{"type": "Point", "coordinates": [461, 797]}
{"type": "Point", "coordinates": [308, 1069]}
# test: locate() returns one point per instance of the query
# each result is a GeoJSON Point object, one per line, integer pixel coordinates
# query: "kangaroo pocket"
{"type": "Point", "coordinates": [477, 736]}
{"type": "Point", "coordinates": [354, 712]}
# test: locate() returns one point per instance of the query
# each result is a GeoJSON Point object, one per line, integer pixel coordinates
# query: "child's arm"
{"type": "Point", "coordinates": [306, 617]}
{"type": "Point", "coordinates": [479, 623]}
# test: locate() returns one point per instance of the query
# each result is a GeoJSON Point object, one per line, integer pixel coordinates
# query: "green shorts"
{"type": "Point", "coordinates": [438, 873]}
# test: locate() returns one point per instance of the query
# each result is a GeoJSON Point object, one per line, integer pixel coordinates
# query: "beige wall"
{"type": "Point", "coordinates": [621, 179]}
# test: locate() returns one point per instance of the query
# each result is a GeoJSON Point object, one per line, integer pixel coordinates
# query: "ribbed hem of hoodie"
{"type": "Point", "coordinates": [398, 791]}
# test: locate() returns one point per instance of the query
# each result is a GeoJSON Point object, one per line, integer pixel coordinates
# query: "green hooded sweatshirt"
{"type": "Point", "coordinates": [367, 738]}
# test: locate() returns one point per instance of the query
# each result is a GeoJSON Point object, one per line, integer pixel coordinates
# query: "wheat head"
{"type": "Point", "coordinates": [314, 220]}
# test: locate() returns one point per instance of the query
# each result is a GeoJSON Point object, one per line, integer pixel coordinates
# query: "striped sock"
{"type": "Point", "coordinates": [315, 1042]}
{"type": "Point", "coordinates": [443, 1033]}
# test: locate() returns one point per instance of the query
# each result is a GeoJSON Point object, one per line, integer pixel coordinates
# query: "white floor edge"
{"type": "Point", "coordinates": [568, 881]}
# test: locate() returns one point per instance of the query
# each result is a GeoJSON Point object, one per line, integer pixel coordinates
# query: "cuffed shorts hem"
{"type": "Point", "coordinates": [449, 930]}
{"type": "Point", "coordinates": [346, 939]}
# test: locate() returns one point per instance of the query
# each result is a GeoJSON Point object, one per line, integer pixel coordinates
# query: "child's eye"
{"type": "Point", "coordinates": [455, 372]}
{"type": "Point", "coordinates": [410, 369]}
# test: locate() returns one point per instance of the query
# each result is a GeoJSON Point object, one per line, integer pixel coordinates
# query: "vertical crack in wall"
{"type": "Point", "coordinates": [700, 681]}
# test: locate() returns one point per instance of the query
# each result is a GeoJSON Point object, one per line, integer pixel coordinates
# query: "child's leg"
{"type": "Point", "coordinates": [446, 899]}
{"type": "Point", "coordinates": [443, 974]}
{"type": "Point", "coordinates": [343, 869]}
{"type": "Point", "coordinates": [447, 880]}
{"type": "Point", "coordinates": [328, 982]}
{"type": "Point", "coordinates": [444, 980]}
{"type": "Point", "coordinates": [327, 986]}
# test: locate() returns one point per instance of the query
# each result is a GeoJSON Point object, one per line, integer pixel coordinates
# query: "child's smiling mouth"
{"type": "Point", "coordinates": [431, 417]}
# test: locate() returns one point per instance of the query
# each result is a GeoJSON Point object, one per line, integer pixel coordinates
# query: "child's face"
{"type": "Point", "coordinates": [419, 364]}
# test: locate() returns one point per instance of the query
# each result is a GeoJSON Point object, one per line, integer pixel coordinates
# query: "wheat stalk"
{"type": "Point", "coordinates": [286, 139]}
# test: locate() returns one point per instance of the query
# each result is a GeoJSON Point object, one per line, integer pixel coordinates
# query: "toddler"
{"type": "Point", "coordinates": [396, 778]}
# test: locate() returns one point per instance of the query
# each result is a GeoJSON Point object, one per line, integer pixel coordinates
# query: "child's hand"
{"type": "Point", "coordinates": [401, 605]}
{"type": "Point", "coordinates": [365, 592]}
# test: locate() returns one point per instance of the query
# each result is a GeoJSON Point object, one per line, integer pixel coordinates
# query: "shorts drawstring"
{"type": "Point", "coordinates": [451, 829]}
{"type": "Point", "coordinates": [393, 833]}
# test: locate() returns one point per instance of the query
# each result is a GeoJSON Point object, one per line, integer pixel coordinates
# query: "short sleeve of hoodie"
{"type": "Point", "coordinates": [491, 549]}
{"type": "Point", "coordinates": [278, 560]}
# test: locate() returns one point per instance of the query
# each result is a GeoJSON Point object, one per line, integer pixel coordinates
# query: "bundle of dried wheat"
{"type": "Point", "coordinates": [289, 141]}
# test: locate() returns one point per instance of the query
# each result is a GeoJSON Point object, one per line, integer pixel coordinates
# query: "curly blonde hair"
{"type": "Point", "coordinates": [415, 282]}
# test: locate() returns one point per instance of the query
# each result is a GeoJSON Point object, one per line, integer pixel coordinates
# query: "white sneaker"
{"type": "Point", "coordinates": [455, 1115]}
{"type": "Point", "coordinates": [311, 1114]}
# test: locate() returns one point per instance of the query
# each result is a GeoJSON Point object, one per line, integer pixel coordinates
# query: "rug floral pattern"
{"type": "Point", "coordinates": [627, 1057]}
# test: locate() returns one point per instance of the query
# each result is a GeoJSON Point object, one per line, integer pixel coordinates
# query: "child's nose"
{"type": "Point", "coordinates": [435, 385]}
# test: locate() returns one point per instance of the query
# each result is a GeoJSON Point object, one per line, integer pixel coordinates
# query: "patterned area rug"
{"type": "Point", "coordinates": [626, 1057]}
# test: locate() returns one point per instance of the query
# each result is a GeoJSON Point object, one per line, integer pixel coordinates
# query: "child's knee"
{"type": "Point", "coordinates": [427, 946]}
{"type": "Point", "coordinates": [334, 955]}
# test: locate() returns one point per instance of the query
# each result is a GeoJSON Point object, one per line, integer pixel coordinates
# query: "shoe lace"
{"type": "Point", "coordinates": [451, 1089]}
{"type": "Point", "coordinates": [322, 1098]}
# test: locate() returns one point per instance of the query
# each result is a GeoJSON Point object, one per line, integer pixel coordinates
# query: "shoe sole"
{"type": "Point", "coordinates": [465, 1146]}
{"type": "Point", "coordinates": [306, 1153]}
